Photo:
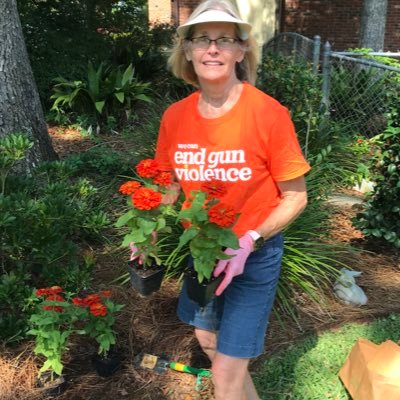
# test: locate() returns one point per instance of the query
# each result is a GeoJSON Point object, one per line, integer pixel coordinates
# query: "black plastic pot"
{"type": "Point", "coordinates": [51, 387]}
{"type": "Point", "coordinates": [145, 280]}
{"type": "Point", "coordinates": [106, 365]}
{"type": "Point", "coordinates": [201, 293]}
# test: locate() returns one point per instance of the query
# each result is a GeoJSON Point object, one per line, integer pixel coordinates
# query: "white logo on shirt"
{"type": "Point", "coordinates": [201, 165]}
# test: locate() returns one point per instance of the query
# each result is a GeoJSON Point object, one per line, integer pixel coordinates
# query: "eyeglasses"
{"type": "Point", "coordinates": [204, 42]}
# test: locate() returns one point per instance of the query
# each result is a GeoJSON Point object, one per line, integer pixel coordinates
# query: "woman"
{"type": "Point", "coordinates": [231, 131]}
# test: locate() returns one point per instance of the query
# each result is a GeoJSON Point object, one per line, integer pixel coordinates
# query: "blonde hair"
{"type": "Point", "coordinates": [246, 70]}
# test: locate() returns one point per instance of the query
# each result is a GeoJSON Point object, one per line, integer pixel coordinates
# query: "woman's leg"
{"type": "Point", "coordinates": [230, 375]}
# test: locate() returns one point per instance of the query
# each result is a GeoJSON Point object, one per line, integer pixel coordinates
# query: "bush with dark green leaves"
{"type": "Point", "coordinates": [381, 217]}
{"type": "Point", "coordinates": [62, 36]}
{"type": "Point", "coordinates": [294, 85]}
{"type": "Point", "coordinates": [45, 218]}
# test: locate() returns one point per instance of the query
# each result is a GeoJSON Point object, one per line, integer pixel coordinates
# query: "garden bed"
{"type": "Point", "coordinates": [150, 324]}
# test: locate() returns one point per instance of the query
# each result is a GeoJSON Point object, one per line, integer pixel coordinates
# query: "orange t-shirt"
{"type": "Point", "coordinates": [250, 148]}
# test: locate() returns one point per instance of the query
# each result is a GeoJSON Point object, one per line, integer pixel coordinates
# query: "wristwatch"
{"type": "Point", "coordinates": [258, 239]}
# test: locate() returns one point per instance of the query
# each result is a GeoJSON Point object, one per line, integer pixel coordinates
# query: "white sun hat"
{"type": "Point", "coordinates": [214, 16]}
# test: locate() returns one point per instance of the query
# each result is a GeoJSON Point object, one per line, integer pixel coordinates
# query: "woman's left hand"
{"type": "Point", "coordinates": [235, 265]}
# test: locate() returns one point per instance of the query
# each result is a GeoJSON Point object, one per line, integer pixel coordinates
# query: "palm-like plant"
{"type": "Point", "coordinates": [107, 91]}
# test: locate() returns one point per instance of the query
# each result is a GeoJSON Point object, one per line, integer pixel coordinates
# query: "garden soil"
{"type": "Point", "coordinates": [150, 325]}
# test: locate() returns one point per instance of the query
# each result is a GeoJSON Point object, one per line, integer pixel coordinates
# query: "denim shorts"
{"type": "Point", "coordinates": [240, 315]}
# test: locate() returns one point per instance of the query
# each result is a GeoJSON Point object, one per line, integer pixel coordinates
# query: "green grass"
{"type": "Point", "coordinates": [309, 370]}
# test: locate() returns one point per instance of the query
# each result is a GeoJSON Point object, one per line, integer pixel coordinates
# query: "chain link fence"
{"type": "Point", "coordinates": [358, 89]}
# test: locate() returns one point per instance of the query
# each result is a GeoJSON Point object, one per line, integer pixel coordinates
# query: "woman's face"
{"type": "Point", "coordinates": [214, 63]}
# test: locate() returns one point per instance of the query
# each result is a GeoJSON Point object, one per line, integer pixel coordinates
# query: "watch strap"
{"type": "Point", "coordinates": [254, 235]}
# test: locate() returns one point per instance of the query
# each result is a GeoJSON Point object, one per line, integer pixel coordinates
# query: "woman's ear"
{"type": "Point", "coordinates": [243, 48]}
{"type": "Point", "coordinates": [188, 56]}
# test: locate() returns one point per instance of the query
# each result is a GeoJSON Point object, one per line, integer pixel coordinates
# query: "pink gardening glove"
{"type": "Point", "coordinates": [134, 249]}
{"type": "Point", "coordinates": [235, 265]}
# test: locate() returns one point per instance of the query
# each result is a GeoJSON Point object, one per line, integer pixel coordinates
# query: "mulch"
{"type": "Point", "coordinates": [150, 325]}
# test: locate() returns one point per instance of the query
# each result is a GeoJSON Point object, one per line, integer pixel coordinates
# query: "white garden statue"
{"type": "Point", "coordinates": [346, 289]}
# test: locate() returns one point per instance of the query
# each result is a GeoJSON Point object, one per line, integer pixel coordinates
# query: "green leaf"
{"type": "Point", "coordinates": [161, 224]}
{"type": "Point", "coordinates": [93, 80]}
{"type": "Point", "coordinates": [144, 98]}
{"type": "Point", "coordinates": [128, 75]}
{"type": "Point", "coordinates": [135, 236]}
{"type": "Point", "coordinates": [99, 106]}
{"type": "Point", "coordinates": [228, 239]}
{"type": "Point", "coordinates": [146, 226]}
{"type": "Point", "coordinates": [123, 219]}
{"type": "Point", "coordinates": [188, 235]}
{"type": "Point", "coordinates": [120, 96]}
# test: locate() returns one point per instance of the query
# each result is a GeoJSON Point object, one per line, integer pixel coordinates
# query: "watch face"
{"type": "Point", "coordinates": [259, 243]}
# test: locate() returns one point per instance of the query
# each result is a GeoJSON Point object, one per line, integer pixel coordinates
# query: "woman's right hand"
{"type": "Point", "coordinates": [173, 193]}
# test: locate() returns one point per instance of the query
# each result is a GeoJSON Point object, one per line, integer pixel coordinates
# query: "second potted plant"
{"type": "Point", "coordinates": [99, 320]}
{"type": "Point", "coordinates": [208, 233]}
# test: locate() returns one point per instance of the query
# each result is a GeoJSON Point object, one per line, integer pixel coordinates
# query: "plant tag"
{"type": "Point", "coordinates": [149, 361]}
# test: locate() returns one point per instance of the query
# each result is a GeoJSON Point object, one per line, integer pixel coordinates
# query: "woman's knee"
{"type": "Point", "coordinates": [226, 369]}
{"type": "Point", "coordinates": [229, 376]}
{"type": "Point", "coordinates": [207, 341]}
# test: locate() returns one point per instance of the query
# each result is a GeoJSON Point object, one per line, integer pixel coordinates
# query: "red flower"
{"type": "Point", "coordinates": [106, 293]}
{"type": "Point", "coordinates": [222, 215]}
{"type": "Point", "coordinates": [214, 188]}
{"type": "Point", "coordinates": [129, 187]}
{"type": "Point", "coordinates": [91, 299]}
{"type": "Point", "coordinates": [50, 290]}
{"type": "Point", "coordinates": [79, 302]}
{"type": "Point", "coordinates": [163, 179]}
{"type": "Point", "coordinates": [55, 290]}
{"type": "Point", "coordinates": [146, 199]}
{"type": "Point", "coordinates": [360, 140]}
{"type": "Point", "coordinates": [147, 168]}
{"type": "Point", "coordinates": [98, 309]}
{"type": "Point", "coordinates": [42, 292]}
{"type": "Point", "coordinates": [53, 297]}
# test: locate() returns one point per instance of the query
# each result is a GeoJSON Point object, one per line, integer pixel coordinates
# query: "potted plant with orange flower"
{"type": "Point", "coordinates": [208, 232]}
{"type": "Point", "coordinates": [145, 219]}
{"type": "Point", "coordinates": [99, 319]}
{"type": "Point", "coordinates": [51, 324]}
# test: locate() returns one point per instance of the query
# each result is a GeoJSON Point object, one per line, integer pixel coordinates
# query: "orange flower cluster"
{"type": "Point", "coordinates": [93, 301]}
{"type": "Point", "coordinates": [98, 309]}
{"type": "Point", "coordinates": [163, 179]}
{"type": "Point", "coordinates": [147, 168]}
{"type": "Point", "coordinates": [54, 297]}
{"type": "Point", "coordinates": [222, 215]}
{"type": "Point", "coordinates": [50, 290]}
{"type": "Point", "coordinates": [214, 188]}
{"type": "Point", "coordinates": [146, 199]}
{"type": "Point", "coordinates": [129, 187]}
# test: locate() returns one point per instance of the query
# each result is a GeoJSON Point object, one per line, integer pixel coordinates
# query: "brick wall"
{"type": "Point", "coordinates": [337, 21]}
{"type": "Point", "coordinates": [185, 9]}
{"type": "Point", "coordinates": [392, 37]}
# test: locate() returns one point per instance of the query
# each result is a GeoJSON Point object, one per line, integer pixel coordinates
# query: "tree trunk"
{"type": "Point", "coordinates": [20, 107]}
{"type": "Point", "coordinates": [373, 22]}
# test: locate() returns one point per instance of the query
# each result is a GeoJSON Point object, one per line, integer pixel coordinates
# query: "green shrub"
{"type": "Point", "coordinates": [107, 92]}
{"type": "Point", "coordinates": [294, 85]}
{"type": "Point", "coordinates": [100, 162]}
{"type": "Point", "coordinates": [381, 217]}
{"type": "Point", "coordinates": [14, 292]}
{"type": "Point", "coordinates": [43, 219]}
